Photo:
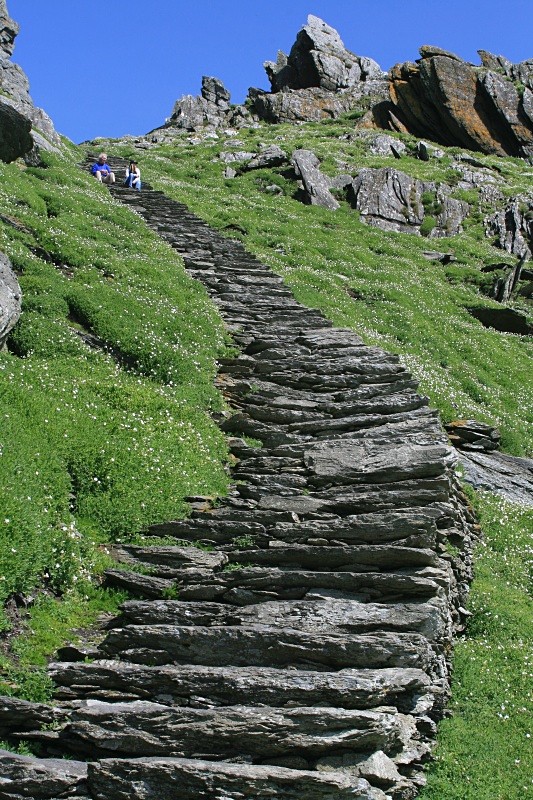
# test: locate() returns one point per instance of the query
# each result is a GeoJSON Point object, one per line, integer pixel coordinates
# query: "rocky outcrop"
{"type": "Point", "coordinates": [299, 105]}
{"type": "Point", "coordinates": [319, 78]}
{"type": "Point", "coordinates": [393, 201]}
{"type": "Point", "coordinates": [450, 101]}
{"type": "Point", "coordinates": [10, 299]}
{"type": "Point", "coordinates": [15, 87]}
{"type": "Point", "coordinates": [307, 652]}
{"type": "Point", "coordinates": [319, 58]}
{"type": "Point", "coordinates": [15, 136]}
{"type": "Point", "coordinates": [212, 108]}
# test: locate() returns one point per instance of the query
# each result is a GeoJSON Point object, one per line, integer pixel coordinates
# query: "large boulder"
{"type": "Point", "coordinates": [456, 103]}
{"type": "Point", "coordinates": [14, 86]}
{"type": "Point", "coordinates": [394, 201]}
{"type": "Point", "coordinates": [316, 186]}
{"type": "Point", "coordinates": [10, 298]}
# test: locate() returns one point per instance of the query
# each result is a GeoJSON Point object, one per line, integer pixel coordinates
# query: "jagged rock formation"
{"type": "Point", "coordinates": [441, 97]}
{"type": "Point", "coordinates": [10, 298]}
{"type": "Point", "coordinates": [308, 651]}
{"type": "Point", "coordinates": [15, 91]}
{"type": "Point", "coordinates": [211, 109]}
{"type": "Point", "coordinates": [319, 78]}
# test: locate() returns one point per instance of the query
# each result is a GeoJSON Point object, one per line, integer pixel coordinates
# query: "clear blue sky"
{"type": "Point", "coordinates": [113, 67]}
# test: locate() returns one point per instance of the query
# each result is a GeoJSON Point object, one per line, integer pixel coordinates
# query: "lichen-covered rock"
{"type": "Point", "coordinates": [301, 105]}
{"type": "Point", "coordinates": [455, 103]}
{"type": "Point", "coordinates": [470, 434]}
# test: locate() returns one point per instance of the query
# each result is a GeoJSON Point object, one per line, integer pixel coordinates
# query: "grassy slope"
{"type": "Point", "coordinates": [415, 308]}
{"type": "Point", "coordinates": [95, 443]}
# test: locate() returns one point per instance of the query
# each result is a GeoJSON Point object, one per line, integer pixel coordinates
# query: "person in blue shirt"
{"type": "Point", "coordinates": [133, 176]}
{"type": "Point", "coordinates": [102, 171]}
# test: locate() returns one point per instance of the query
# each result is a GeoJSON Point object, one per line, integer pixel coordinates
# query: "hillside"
{"type": "Point", "coordinates": [107, 382]}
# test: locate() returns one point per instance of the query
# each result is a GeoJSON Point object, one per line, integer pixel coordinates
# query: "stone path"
{"type": "Point", "coordinates": [307, 652]}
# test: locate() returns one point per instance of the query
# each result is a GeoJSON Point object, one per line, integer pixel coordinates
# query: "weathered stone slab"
{"type": "Point", "coordinates": [96, 729]}
{"type": "Point", "coordinates": [262, 645]}
{"type": "Point", "coordinates": [41, 779]}
{"type": "Point", "coordinates": [361, 462]}
{"type": "Point", "coordinates": [335, 615]}
{"type": "Point", "coordinates": [167, 779]}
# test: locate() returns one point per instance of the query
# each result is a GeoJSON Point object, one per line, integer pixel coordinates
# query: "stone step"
{"type": "Point", "coordinates": [224, 526]}
{"type": "Point", "coordinates": [406, 689]}
{"type": "Point", "coordinates": [163, 561]}
{"type": "Point", "coordinates": [333, 615]}
{"type": "Point", "coordinates": [196, 779]}
{"type": "Point", "coordinates": [41, 779]}
{"type": "Point", "coordinates": [254, 734]}
{"type": "Point", "coordinates": [249, 585]}
{"type": "Point", "coordinates": [263, 645]}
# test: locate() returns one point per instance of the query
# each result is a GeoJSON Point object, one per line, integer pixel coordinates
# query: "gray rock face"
{"type": "Point", "coordinates": [15, 87]}
{"type": "Point", "coordinates": [393, 201]}
{"type": "Point", "coordinates": [10, 298]}
{"type": "Point", "coordinates": [512, 227]}
{"type": "Point", "coordinates": [211, 109]}
{"type": "Point", "coordinates": [300, 105]}
{"type": "Point", "coordinates": [315, 185]}
{"type": "Point", "coordinates": [15, 137]}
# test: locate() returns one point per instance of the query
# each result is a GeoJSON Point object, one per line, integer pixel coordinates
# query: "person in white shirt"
{"type": "Point", "coordinates": [133, 176]}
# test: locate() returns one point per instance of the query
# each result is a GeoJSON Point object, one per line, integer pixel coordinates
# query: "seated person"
{"type": "Point", "coordinates": [102, 171]}
{"type": "Point", "coordinates": [133, 176]}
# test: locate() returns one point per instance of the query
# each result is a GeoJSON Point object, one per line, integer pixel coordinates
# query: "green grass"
{"type": "Point", "coordinates": [485, 749]}
{"type": "Point", "coordinates": [98, 442]}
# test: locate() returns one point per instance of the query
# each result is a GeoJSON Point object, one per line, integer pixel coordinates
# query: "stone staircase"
{"type": "Point", "coordinates": [306, 654]}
